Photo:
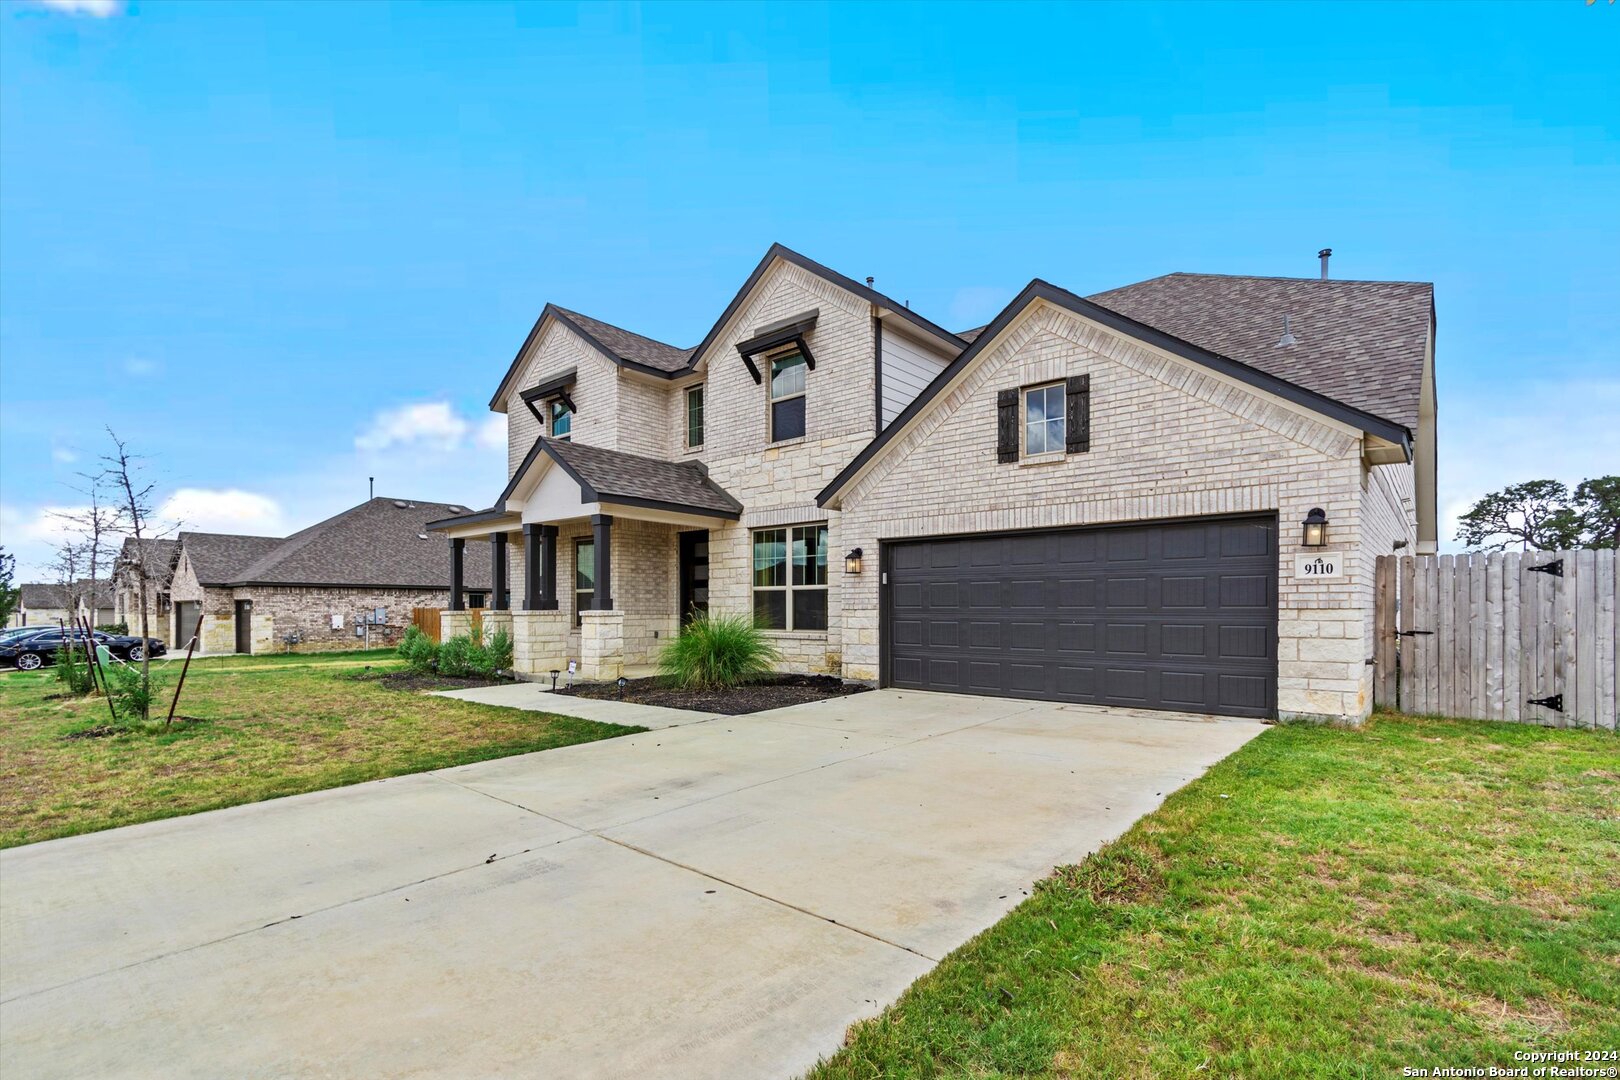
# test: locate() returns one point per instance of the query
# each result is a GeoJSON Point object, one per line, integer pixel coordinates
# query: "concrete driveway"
{"type": "Point", "coordinates": [720, 898]}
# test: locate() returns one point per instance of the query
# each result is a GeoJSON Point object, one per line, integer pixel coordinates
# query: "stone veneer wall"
{"type": "Point", "coordinates": [308, 610]}
{"type": "Point", "coordinates": [1168, 440]}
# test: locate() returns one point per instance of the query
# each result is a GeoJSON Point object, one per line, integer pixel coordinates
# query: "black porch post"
{"type": "Point", "coordinates": [458, 549]}
{"type": "Point", "coordinates": [548, 568]}
{"type": "Point", "coordinates": [602, 527]}
{"type": "Point", "coordinates": [531, 567]}
{"type": "Point", "coordinates": [497, 571]}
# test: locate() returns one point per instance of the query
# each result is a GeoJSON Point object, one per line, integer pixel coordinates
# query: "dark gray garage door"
{"type": "Point", "coordinates": [1179, 615]}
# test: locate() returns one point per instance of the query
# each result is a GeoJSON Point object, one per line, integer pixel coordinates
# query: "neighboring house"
{"type": "Point", "coordinates": [1093, 500]}
{"type": "Point", "coordinates": [47, 605]}
{"type": "Point", "coordinates": [160, 557]}
{"type": "Point", "coordinates": [350, 581]}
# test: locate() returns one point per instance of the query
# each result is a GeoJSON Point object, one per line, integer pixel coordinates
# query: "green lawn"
{"type": "Point", "coordinates": [1325, 903]}
{"type": "Point", "coordinates": [267, 726]}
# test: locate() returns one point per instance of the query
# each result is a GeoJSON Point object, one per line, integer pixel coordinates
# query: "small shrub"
{"type": "Point", "coordinates": [73, 669]}
{"type": "Point", "coordinates": [132, 696]}
{"type": "Point", "coordinates": [419, 651]}
{"type": "Point", "coordinates": [121, 629]}
{"type": "Point", "coordinates": [500, 650]}
{"type": "Point", "coordinates": [456, 656]}
{"type": "Point", "coordinates": [716, 651]}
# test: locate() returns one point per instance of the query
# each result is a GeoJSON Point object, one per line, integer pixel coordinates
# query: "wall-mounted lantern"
{"type": "Point", "coordinates": [1315, 528]}
{"type": "Point", "coordinates": [852, 562]}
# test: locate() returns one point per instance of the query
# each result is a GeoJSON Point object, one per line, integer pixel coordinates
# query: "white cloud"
{"type": "Point", "coordinates": [63, 456]}
{"type": "Point", "coordinates": [492, 432]}
{"type": "Point", "coordinates": [229, 510]}
{"type": "Point", "coordinates": [434, 424]}
{"type": "Point", "coordinates": [97, 9]}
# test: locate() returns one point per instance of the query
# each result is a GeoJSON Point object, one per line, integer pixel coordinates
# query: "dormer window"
{"type": "Point", "coordinates": [787, 396]}
{"type": "Point", "coordinates": [562, 418]}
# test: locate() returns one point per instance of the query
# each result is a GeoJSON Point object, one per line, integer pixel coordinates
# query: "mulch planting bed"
{"type": "Point", "coordinates": [772, 693]}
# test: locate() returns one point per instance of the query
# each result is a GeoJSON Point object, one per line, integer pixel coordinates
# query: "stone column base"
{"type": "Point", "coordinates": [601, 645]}
{"type": "Point", "coordinates": [540, 643]}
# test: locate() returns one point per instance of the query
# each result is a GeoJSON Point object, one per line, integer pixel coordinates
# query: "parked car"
{"type": "Point", "coordinates": [31, 650]}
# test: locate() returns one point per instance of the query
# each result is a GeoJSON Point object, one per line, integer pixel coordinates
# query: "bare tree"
{"type": "Point", "coordinates": [134, 495]}
{"type": "Point", "coordinates": [67, 566]}
{"type": "Point", "coordinates": [97, 525]}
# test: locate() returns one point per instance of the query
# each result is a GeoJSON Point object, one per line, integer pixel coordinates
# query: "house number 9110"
{"type": "Point", "coordinates": [1318, 565]}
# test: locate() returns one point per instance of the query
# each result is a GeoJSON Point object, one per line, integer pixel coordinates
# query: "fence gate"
{"type": "Point", "coordinates": [1521, 636]}
{"type": "Point", "coordinates": [426, 619]}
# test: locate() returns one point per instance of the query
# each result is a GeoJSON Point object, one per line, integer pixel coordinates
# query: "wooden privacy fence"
{"type": "Point", "coordinates": [426, 619]}
{"type": "Point", "coordinates": [1522, 636]}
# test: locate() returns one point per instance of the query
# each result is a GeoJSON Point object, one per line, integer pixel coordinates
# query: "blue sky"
{"type": "Point", "coordinates": [281, 248]}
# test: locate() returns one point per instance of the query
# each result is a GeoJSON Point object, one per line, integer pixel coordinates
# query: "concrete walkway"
{"type": "Point", "coordinates": [536, 698]}
{"type": "Point", "coordinates": [720, 898]}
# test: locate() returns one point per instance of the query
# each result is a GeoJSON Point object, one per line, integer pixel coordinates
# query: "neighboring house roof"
{"type": "Point", "coordinates": [657, 358]}
{"type": "Point", "coordinates": [383, 542]}
{"type": "Point", "coordinates": [1362, 343]}
{"type": "Point", "coordinates": [43, 597]}
{"type": "Point", "coordinates": [216, 558]}
{"type": "Point", "coordinates": [1037, 290]}
{"type": "Point", "coordinates": [614, 476]}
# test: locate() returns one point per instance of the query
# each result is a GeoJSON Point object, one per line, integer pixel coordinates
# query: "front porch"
{"type": "Point", "coordinates": [604, 552]}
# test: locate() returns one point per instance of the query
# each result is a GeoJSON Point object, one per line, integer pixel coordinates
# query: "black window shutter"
{"type": "Point", "coordinates": [1007, 425]}
{"type": "Point", "coordinates": [1078, 425]}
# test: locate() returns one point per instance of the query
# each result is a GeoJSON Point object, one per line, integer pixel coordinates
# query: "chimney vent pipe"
{"type": "Point", "coordinates": [1325, 254]}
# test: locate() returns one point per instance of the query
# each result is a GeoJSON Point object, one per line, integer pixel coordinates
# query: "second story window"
{"type": "Point", "coordinates": [1044, 420]}
{"type": "Point", "coordinates": [787, 396]}
{"type": "Point", "coordinates": [562, 419]}
{"type": "Point", "coordinates": [694, 417]}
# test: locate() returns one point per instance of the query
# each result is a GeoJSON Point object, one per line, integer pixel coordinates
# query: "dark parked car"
{"type": "Point", "coordinates": [32, 650]}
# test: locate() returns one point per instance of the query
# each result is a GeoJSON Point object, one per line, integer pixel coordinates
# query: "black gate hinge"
{"type": "Point", "coordinates": [1555, 702]}
{"type": "Point", "coordinates": [1412, 633]}
{"type": "Point", "coordinates": [1552, 569]}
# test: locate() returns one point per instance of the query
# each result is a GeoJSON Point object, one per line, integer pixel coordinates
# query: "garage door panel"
{"type": "Point", "coordinates": [1172, 615]}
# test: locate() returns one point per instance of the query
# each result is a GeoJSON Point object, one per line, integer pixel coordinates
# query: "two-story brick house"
{"type": "Point", "coordinates": [1100, 500]}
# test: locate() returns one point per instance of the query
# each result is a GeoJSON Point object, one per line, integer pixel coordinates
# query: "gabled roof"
{"type": "Point", "coordinates": [44, 597]}
{"type": "Point", "coordinates": [616, 477]}
{"type": "Point", "coordinates": [382, 543]}
{"type": "Point", "coordinates": [216, 558]}
{"type": "Point", "coordinates": [1038, 290]}
{"type": "Point", "coordinates": [1358, 342]}
{"type": "Point", "coordinates": [652, 357]}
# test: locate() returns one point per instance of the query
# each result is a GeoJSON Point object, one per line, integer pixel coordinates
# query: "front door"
{"type": "Point", "coordinates": [694, 575]}
{"type": "Point", "coordinates": [244, 626]}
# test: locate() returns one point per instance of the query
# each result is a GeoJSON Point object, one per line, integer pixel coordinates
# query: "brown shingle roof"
{"type": "Point", "coordinates": [630, 346]}
{"type": "Point", "coordinates": [217, 557]}
{"type": "Point", "coordinates": [617, 476]}
{"type": "Point", "coordinates": [40, 597]}
{"type": "Point", "coordinates": [1362, 343]}
{"type": "Point", "coordinates": [381, 542]}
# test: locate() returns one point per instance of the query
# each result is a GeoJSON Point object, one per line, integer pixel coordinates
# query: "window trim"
{"type": "Point", "coordinates": [567, 406]}
{"type": "Point", "coordinates": [787, 587]}
{"type": "Point", "coordinates": [581, 543]}
{"type": "Point", "coordinates": [701, 401]}
{"type": "Point", "coordinates": [1024, 426]}
{"type": "Point", "coordinates": [771, 400]}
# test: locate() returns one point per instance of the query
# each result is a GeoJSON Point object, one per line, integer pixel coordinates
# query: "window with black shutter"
{"type": "Point", "coordinates": [1077, 439]}
{"type": "Point", "coordinates": [1007, 426]}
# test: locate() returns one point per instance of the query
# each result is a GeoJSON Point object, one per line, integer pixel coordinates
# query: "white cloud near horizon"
{"type": "Point", "coordinates": [96, 9]}
{"type": "Point", "coordinates": [230, 510]}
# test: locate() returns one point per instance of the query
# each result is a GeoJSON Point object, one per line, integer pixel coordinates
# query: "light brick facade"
{"type": "Point", "coordinates": [1170, 438]}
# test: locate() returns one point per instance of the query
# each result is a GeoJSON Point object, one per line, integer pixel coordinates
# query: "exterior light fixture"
{"type": "Point", "coordinates": [554, 673]}
{"type": "Point", "coordinates": [1315, 529]}
{"type": "Point", "coordinates": [622, 683]}
{"type": "Point", "coordinates": [852, 562]}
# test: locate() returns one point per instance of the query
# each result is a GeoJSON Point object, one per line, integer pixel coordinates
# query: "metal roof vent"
{"type": "Point", "coordinates": [421, 536]}
{"type": "Point", "coordinates": [1288, 337]}
{"type": "Point", "coordinates": [402, 504]}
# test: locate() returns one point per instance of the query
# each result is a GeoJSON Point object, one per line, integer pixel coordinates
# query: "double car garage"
{"type": "Point", "coordinates": [1167, 615]}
